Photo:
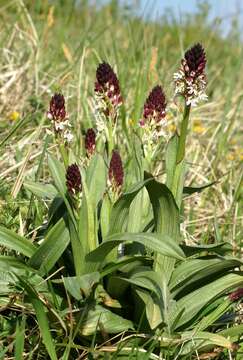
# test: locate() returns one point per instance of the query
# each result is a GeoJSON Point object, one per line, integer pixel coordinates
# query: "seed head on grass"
{"type": "Point", "coordinates": [90, 141]}
{"type": "Point", "coordinates": [107, 90]}
{"type": "Point", "coordinates": [190, 80]}
{"type": "Point", "coordinates": [116, 173]}
{"type": "Point", "coordinates": [73, 179]}
{"type": "Point", "coordinates": [59, 117]}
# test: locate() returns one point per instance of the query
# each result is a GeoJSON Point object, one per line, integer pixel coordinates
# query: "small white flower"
{"type": "Point", "coordinates": [68, 136]}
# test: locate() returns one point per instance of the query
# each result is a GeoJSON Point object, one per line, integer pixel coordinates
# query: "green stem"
{"type": "Point", "coordinates": [182, 139]}
{"type": "Point", "coordinates": [64, 154]}
{"type": "Point", "coordinates": [110, 139]}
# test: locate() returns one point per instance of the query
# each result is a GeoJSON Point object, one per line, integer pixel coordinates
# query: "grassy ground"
{"type": "Point", "coordinates": [47, 47]}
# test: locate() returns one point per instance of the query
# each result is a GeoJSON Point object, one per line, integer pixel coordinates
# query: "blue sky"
{"type": "Point", "coordinates": [225, 9]}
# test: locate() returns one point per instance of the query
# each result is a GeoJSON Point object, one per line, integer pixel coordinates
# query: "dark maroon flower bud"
{"type": "Point", "coordinates": [107, 88]}
{"type": "Point", "coordinates": [73, 179]}
{"type": "Point", "coordinates": [154, 107]}
{"type": "Point", "coordinates": [236, 295]}
{"type": "Point", "coordinates": [116, 173]}
{"type": "Point", "coordinates": [195, 59]}
{"type": "Point", "coordinates": [90, 141]}
{"type": "Point", "coordinates": [57, 110]}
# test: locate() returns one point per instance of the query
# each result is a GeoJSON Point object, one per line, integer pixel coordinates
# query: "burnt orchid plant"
{"type": "Point", "coordinates": [111, 259]}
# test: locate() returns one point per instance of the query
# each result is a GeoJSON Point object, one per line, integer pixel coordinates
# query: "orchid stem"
{"type": "Point", "coordinates": [183, 133]}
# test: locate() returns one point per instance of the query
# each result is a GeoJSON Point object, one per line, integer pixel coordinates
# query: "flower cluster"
{"type": "Point", "coordinates": [153, 119]}
{"type": "Point", "coordinates": [58, 115]}
{"type": "Point", "coordinates": [236, 295]}
{"type": "Point", "coordinates": [116, 173]}
{"type": "Point", "coordinates": [73, 179]}
{"type": "Point", "coordinates": [190, 81]}
{"type": "Point", "coordinates": [90, 141]}
{"type": "Point", "coordinates": [107, 90]}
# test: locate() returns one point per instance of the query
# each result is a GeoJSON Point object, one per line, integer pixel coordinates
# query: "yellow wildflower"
{"type": "Point", "coordinates": [172, 127]}
{"type": "Point", "coordinates": [197, 127]}
{"type": "Point", "coordinates": [14, 116]}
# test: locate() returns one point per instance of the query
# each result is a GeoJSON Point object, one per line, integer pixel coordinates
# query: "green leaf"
{"type": "Point", "coordinates": [189, 190]}
{"type": "Point", "coordinates": [105, 215]}
{"type": "Point", "coordinates": [87, 231]}
{"type": "Point", "coordinates": [221, 249]}
{"type": "Point", "coordinates": [155, 242]}
{"type": "Point", "coordinates": [152, 306]}
{"type": "Point", "coordinates": [233, 332]}
{"type": "Point", "coordinates": [195, 301]}
{"type": "Point", "coordinates": [41, 190]}
{"type": "Point", "coordinates": [102, 319]}
{"type": "Point", "coordinates": [175, 173]}
{"type": "Point", "coordinates": [19, 339]}
{"type": "Point", "coordinates": [57, 170]}
{"type": "Point", "coordinates": [166, 216]}
{"type": "Point", "coordinates": [49, 252]}
{"type": "Point", "coordinates": [214, 315]}
{"type": "Point", "coordinates": [170, 160]}
{"type": "Point", "coordinates": [196, 270]}
{"type": "Point", "coordinates": [145, 279]}
{"type": "Point", "coordinates": [79, 285]}
{"type": "Point", "coordinates": [11, 263]}
{"type": "Point", "coordinates": [120, 211]}
{"type": "Point", "coordinates": [96, 178]}
{"type": "Point", "coordinates": [41, 318]}
{"type": "Point", "coordinates": [166, 213]}
{"type": "Point", "coordinates": [196, 340]}
{"type": "Point", "coordinates": [16, 242]}
{"type": "Point", "coordinates": [119, 263]}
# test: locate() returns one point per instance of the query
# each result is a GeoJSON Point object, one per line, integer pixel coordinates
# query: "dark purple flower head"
{"type": "Point", "coordinates": [155, 104]}
{"type": "Point", "coordinates": [195, 60]}
{"type": "Point", "coordinates": [57, 110]}
{"type": "Point", "coordinates": [107, 87]}
{"type": "Point", "coordinates": [190, 80]}
{"type": "Point", "coordinates": [90, 141]}
{"type": "Point", "coordinates": [116, 173]}
{"type": "Point", "coordinates": [236, 295]}
{"type": "Point", "coordinates": [73, 179]}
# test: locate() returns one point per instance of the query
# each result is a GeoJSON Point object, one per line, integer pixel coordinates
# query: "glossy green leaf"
{"type": "Point", "coordinates": [16, 242]}
{"type": "Point", "coordinates": [105, 215]}
{"type": "Point", "coordinates": [19, 339]}
{"type": "Point", "coordinates": [51, 249]}
{"type": "Point", "coordinates": [153, 307]}
{"type": "Point", "coordinates": [196, 340]}
{"type": "Point", "coordinates": [189, 190]}
{"type": "Point", "coordinates": [175, 172]}
{"type": "Point", "coordinates": [221, 249]}
{"type": "Point", "coordinates": [233, 332]}
{"type": "Point", "coordinates": [155, 242]}
{"type": "Point", "coordinates": [120, 210]}
{"type": "Point", "coordinates": [192, 303]}
{"type": "Point", "coordinates": [166, 217]}
{"type": "Point", "coordinates": [196, 270]}
{"type": "Point", "coordinates": [214, 315]}
{"type": "Point", "coordinates": [166, 213]}
{"type": "Point", "coordinates": [101, 319]}
{"type": "Point", "coordinates": [57, 170]}
{"type": "Point", "coordinates": [78, 286]}
{"type": "Point", "coordinates": [87, 231]}
{"type": "Point", "coordinates": [41, 190]}
{"type": "Point", "coordinates": [41, 318]}
{"type": "Point", "coordinates": [96, 178]}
